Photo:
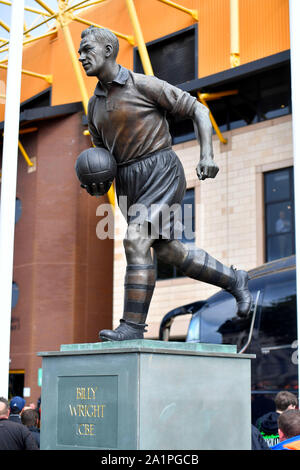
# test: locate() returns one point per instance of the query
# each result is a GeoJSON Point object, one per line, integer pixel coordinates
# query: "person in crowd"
{"type": "Point", "coordinates": [38, 409]}
{"type": "Point", "coordinates": [289, 430]}
{"type": "Point", "coordinates": [14, 436]}
{"type": "Point", "coordinates": [257, 441]}
{"type": "Point", "coordinates": [30, 418]}
{"type": "Point", "coordinates": [268, 423]}
{"type": "Point", "coordinates": [16, 406]}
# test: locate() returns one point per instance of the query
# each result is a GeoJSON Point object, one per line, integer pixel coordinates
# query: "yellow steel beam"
{"type": "Point", "coordinates": [234, 34]}
{"type": "Point", "coordinates": [4, 26]}
{"type": "Point", "coordinates": [32, 10]}
{"type": "Point", "coordinates": [96, 2]}
{"type": "Point", "coordinates": [193, 13]}
{"type": "Point", "coordinates": [75, 63]}
{"type": "Point", "coordinates": [28, 35]}
{"type": "Point", "coordinates": [25, 155]}
{"type": "Point", "coordinates": [49, 33]}
{"type": "Point", "coordinates": [28, 41]}
{"type": "Point", "coordinates": [111, 196]}
{"type": "Point", "coordinates": [2, 45]}
{"type": "Point", "coordinates": [130, 39]}
{"type": "Point", "coordinates": [31, 29]}
{"type": "Point", "coordinates": [28, 130]}
{"type": "Point", "coordinates": [213, 121]}
{"type": "Point", "coordinates": [218, 95]}
{"type": "Point", "coordinates": [204, 97]}
{"type": "Point", "coordinates": [71, 7]}
{"type": "Point", "coordinates": [49, 18]}
{"type": "Point", "coordinates": [48, 78]}
{"type": "Point", "coordinates": [46, 7]}
{"type": "Point", "coordinates": [139, 38]}
{"type": "Point", "coordinates": [38, 12]}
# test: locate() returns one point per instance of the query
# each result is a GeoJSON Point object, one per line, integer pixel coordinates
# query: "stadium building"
{"type": "Point", "coordinates": [234, 56]}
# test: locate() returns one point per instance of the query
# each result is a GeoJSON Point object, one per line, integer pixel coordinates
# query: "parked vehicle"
{"type": "Point", "coordinates": [270, 331]}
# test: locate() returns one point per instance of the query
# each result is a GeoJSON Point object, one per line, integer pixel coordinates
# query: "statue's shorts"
{"type": "Point", "coordinates": [150, 191]}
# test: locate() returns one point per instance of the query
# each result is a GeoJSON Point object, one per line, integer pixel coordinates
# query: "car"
{"type": "Point", "coordinates": [269, 332]}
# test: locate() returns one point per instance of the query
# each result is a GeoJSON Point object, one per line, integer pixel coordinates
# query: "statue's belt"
{"type": "Point", "coordinates": [143, 157]}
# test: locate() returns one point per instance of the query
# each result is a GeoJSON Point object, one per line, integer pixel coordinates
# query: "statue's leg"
{"type": "Point", "coordinates": [138, 286]}
{"type": "Point", "coordinates": [199, 265]}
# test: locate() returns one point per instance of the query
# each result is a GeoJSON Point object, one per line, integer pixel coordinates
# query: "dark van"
{"type": "Point", "coordinates": [270, 331]}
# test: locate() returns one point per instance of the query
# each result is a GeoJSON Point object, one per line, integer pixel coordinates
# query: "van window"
{"type": "Point", "coordinates": [212, 318]}
{"type": "Point", "coordinates": [205, 324]}
{"type": "Point", "coordinates": [278, 325]}
{"type": "Point", "coordinates": [193, 334]}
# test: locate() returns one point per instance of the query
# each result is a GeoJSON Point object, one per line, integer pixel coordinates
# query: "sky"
{"type": "Point", "coordinates": [29, 17]}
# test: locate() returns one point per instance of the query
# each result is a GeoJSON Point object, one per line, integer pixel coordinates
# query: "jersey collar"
{"type": "Point", "coordinates": [120, 79]}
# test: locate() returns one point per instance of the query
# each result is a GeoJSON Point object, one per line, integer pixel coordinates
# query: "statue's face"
{"type": "Point", "coordinates": [92, 56]}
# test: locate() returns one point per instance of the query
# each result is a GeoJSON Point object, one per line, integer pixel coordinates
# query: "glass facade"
{"type": "Point", "coordinates": [279, 214]}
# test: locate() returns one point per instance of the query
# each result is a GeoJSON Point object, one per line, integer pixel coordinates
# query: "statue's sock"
{"type": "Point", "coordinates": [201, 266]}
{"type": "Point", "coordinates": [139, 286]}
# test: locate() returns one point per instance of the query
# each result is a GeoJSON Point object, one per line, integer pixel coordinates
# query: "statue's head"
{"type": "Point", "coordinates": [97, 46]}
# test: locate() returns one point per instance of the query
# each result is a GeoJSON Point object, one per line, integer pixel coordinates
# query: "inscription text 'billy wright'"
{"type": "Point", "coordinates": [87, 410]}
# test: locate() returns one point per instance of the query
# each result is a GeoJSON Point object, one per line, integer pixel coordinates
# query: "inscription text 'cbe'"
{"type": "Point", "coordinates": [86, 410]}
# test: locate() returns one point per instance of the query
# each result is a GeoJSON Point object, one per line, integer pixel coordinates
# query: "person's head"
{"type": "Point", "coordinates": [30, 417]}
{"type": "Point", "coordinates": [282, 215]}
{"type": "Point", "coordinates": [98, 47]}
{"type": "Point", "coordinates": [289, 424]}
{"type": "Point", "coordinates": [285, 401]}
{"type": "Point", "coordinates": [4, 408]}
{"type": "Point", "coordinates": [16, 405]}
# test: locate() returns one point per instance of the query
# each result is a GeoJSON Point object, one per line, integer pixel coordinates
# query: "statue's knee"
{"type": "Point", "coordinates": [129, 246]}
{"type": "Point", "coordinates": [173, 252]}
{"type": "Point", "coordinates": [135, 245]}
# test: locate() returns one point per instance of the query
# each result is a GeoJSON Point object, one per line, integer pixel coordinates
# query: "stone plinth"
{"type": "Point", "coordinates": [146, 395]}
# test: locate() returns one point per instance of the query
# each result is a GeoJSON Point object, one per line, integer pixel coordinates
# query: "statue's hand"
{"type": "Point", "coordinates": [97, 189]}
{"type": "Point", "coordinates": [206, 168]}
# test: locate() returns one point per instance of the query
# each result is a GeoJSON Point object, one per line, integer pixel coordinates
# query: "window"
{"type": "Point", "coordinates": [18, 211]}
{"type": "Point", "coordinates": [275, 366]}
{"type": "Point", "coordinates": [16, 383]}
{"type": "Point", "coordinates": [265, 95]}
{"type": "Point", "coordinates": [279, 214]}
{"type": "Point", "coordinates": [278, 324]}
{"type": "Point", "coordinates": [173, 57]}
{"type": "Point", "coordinates": [14, 295]}
{"type": "Point", "coordinates": [166, 271]}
